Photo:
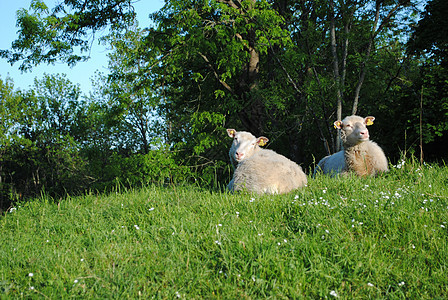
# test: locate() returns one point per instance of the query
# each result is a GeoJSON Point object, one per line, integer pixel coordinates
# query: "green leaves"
{"type": "Point", "coordinates": [47, 36]}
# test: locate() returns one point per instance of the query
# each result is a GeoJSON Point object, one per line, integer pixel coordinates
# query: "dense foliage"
{"type": "Point", "coordinates": [285, 69]}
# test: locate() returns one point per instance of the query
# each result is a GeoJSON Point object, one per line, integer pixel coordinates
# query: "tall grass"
{"type": "Point", "coordinates": [347, 238]}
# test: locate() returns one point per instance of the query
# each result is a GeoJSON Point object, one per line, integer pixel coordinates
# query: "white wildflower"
{"type": "Point", "coordinates": [30, 274]}
{"type": "Point", "coordinates": [370, 284]}
{"type": "Point", "coordinates": [334, 294]}
{"type": "Point", "coordinates": [401, 283]}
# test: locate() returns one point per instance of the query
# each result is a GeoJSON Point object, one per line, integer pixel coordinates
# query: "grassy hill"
{"type": "Point", "coordinates": [346, 238]}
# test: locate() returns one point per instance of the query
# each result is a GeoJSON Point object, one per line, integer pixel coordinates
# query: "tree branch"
{"type": "Point", "coordinates": [375, 32]}
{"type": "Point", "coordinates": [224, 84]}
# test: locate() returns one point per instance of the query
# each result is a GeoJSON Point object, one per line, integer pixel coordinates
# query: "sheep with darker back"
{"type": "Point", "coordinates": [261, 170]}
{"type": "Point", "coordinates": [360, 155]}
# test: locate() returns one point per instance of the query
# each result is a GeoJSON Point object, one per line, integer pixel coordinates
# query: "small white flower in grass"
{"type": "Point", "coordinates": [218, 242]}
{"type": "Point", "coordinates": [285, 240]}
{"type": "Point", "coordinates": [334, 294]}
{"type": "Point", "coordinates": [151, 209]}
{"type": "Point", "coordinates": [237, 214]}
{"type": "Point", "coordinates": [279, 243]}
{"type": "Point", "coordinates": [324, 191]}
{"type": "Point", "coordinates": [30, 274]}
{"type": "Point", "coordinates": [12, 209]}
{"type": "Point", "coordinates": [296, 197]}
{"type": "Point", "coordinates": [48, 241]}
{"type": "Point", "coordinates": [76, 281]}
{"type": "Point", "coordinates": [443, 226]}
{"type": "Point", "coordinates": [327, 231]}
{"type": "Point", "coordinates": [370, 284]}
{"type": "Point", "coordinates": [252, 200]}
{"type": "Point", "coordinates": [401, 283]}
{"type": "Point", "coordinates": [31, 287]}
{"type": "Point", "coordinates": [136, 227]}
{"type": "Point", "coordinates": [178, 295]}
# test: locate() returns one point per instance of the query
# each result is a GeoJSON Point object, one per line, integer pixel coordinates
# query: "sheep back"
{"type": "Point", "coordinates": [364, 159]}
{"type": "Point", "coordinates": [267, 172]}
{"type": "Point", "coordinates": [331, 164]}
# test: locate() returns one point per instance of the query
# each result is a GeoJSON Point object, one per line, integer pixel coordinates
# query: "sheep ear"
{"type": "Point", "coordinates": [261, 141]}
{"type": "Point", "coordinates": [369, 120]}
{"type": "Point", "coordinates": [231, 132]}
{"type": "Point", "coordinates": [338, 124]}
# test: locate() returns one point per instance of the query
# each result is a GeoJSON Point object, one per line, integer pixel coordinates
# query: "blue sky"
{"type": "Point", "coordinates": [79, 74]}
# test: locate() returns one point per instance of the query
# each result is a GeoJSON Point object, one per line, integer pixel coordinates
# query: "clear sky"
{"type": "Point", "coordinates": [82, 72]}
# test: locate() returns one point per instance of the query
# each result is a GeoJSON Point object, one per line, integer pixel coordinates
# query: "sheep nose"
{"type": "Point", "coordinates": [364, 133]}
{"type": "Point", "coordinates": [239, 155]}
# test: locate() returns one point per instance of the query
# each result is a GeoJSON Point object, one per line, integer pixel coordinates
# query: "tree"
{"type": "Point", "coordinates": [65, 32]}
{"type": "Point", "coordinates": [286, 69]}
{"type": "Point", "coordinates": [431, 34]}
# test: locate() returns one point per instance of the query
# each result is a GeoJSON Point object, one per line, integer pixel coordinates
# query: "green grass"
{"type": "Point", "coordinates": [347, 238]}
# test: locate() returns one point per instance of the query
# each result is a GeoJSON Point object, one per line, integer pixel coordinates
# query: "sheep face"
{"type": "Point", "coordinates": [244, 145]}
{"type": "Point", "coordinates": [354, 130]}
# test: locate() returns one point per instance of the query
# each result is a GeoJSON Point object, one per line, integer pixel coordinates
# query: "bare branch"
{"type": "Point", "coordinates": [230, 3]}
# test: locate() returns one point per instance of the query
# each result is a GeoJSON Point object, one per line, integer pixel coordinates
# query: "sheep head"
{"type": "Point", "coordinates": [354, 129]}
{"type": "Point", "coordinates": [244, 145]}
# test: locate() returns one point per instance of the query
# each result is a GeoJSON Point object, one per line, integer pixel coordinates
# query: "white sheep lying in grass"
{"type": "Point", "coordinates": [360, 155]}
{"type": "Point", "coordinates": [261, 170]}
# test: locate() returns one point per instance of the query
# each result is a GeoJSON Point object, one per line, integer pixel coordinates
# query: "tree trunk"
{"type": "Point", "coordinates": [336, 71]}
